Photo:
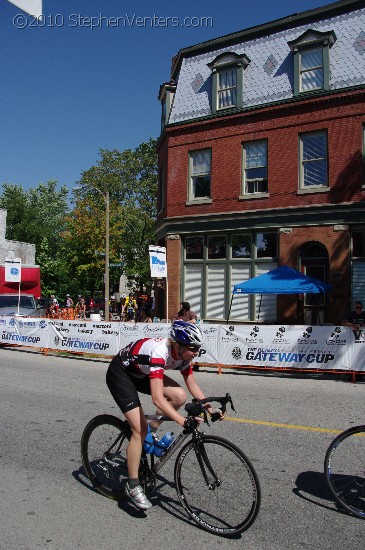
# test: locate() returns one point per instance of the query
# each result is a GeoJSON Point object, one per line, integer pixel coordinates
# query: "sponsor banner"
{"type": "Point", "coordinates": [100, 338]}
{"type": "Point", "coordinates": [357, 345]}
{"type": "Point", "coordinates": [301, 347]}
{"type": "Point", "coordinates": [24, 331]}
{"type": "Point", "coordinates": [276, 346]}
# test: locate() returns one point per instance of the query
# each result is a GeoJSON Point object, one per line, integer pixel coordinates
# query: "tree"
{"type": "Point", "coordinates": [130, 177]}
{"type": "Point", "coordinates": [38, 216]}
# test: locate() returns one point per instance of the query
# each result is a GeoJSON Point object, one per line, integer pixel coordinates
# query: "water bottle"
{"type": "Point", "coordinates": [149, 442]}
{"type": "Point", "coordinates": [162, 444]}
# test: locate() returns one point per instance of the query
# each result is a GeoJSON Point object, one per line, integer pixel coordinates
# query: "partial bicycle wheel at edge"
{"type": "Point", "coordinates": [344, 468]}
{"type": "Point", "coordinates": [103, 453]}
{"type": "Point", "coordinates": [230, 501]}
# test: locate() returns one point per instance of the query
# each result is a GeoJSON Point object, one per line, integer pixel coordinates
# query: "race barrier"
{"type": "Point", "coordinates": [334, 348]}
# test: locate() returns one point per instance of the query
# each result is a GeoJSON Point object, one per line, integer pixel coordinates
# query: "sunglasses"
{"type": "Point", "coordinates": [193, 348]}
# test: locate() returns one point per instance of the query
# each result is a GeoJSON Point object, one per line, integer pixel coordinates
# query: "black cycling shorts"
{"type": "Point", "coordinates": [124, 387]}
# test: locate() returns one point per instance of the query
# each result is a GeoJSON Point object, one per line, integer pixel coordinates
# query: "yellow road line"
{"type": "Point", "coordinates": [288, 426]}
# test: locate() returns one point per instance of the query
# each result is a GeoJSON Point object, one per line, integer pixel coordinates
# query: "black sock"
{"type": "Point", "coordinates": [133, 483]}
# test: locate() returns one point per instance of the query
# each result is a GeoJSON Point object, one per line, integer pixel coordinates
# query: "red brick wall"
{"type": "Point", "coordinates": [337, 245]}
{"type": "Point", "coordinates": [342, 115]}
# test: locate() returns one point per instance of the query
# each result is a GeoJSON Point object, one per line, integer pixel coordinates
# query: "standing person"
{"type": "Point", "coordinates": [140, 367]}
{"type": "Point", "coordinates": [69, 301]}
{"type": "Point", "coordinates": [130, 307]}
{"type": "Point", "coordinates": [80, 308]}
{"type": "Point", "coordinates": [185, 313]}
{"type": "Point", "coordinates": [355, 319]}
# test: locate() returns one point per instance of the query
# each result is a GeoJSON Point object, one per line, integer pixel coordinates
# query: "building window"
{"type": "Point", "coordinates": [311, 69]}
{"type": "Point", "coordinates": [313, 161]}
{"type": "Point", "coordinates": [312, 61]}
{"type": "Point", "coordinates": [213, 264]}
{"type": "Point", "coordinates": [255, 167]}
{"type": "Point", "coordinates": [227, 90]}
{"type": "Point", "coordinates": [166, 96]}
{"type": "Point", "coordinates": [199, 174]}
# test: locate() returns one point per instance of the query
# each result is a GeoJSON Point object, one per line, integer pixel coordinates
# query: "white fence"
{"type": "Point", "coordinates": [277, 346]}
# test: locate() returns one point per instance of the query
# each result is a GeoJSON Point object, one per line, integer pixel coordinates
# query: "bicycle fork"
{"type": "Point", "coordinates": [204, 463]}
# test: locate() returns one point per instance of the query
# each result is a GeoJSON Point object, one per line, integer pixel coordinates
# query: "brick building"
{"type": "Point", "coordinates": [261, 164]}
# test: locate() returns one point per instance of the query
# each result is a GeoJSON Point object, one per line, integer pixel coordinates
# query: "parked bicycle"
{"type": "Point", "coordinates": [214, 480]}
{"type": "Point", "coordinates": [344, 468]}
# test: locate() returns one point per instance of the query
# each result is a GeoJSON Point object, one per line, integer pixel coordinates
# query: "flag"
{"type": "Point", "coordinates": [13, 270]}
{"type": "Point", "coordinates": [158, 261]}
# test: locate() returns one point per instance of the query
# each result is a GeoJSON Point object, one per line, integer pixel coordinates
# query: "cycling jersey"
{"type": "Point", "coordinates": [151, 357]}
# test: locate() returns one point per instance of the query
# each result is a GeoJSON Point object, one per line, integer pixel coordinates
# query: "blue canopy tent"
{"type": "Point", "coordinates": [282, 280]}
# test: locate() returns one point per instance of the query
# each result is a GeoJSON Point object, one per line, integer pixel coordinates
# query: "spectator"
{"type": "Point", "coordinates": [80, 308]}
{"type": "Point", "coordinates": [356, 318]}
{"type": "Point", "coordinates": [185, 313]}
{"type": "Point", "coordinates": [69, 301]}
{"type": "Point", "coordinates": [130, 307]}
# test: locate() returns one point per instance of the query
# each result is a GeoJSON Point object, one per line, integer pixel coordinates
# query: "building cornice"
{"type": "Point", "coordinates": [314, 215]}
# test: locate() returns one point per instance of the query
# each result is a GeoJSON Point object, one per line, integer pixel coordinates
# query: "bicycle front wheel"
{"type": "Point", "coordinates": [221, 493]}
{"type": "Point", "coordinates": [103, 452]}
{"type": "Point", "coordinates": [344, 468]}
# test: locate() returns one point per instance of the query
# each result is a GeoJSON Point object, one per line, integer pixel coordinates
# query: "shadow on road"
{"type": "Point", "coordinates": [314, 484]}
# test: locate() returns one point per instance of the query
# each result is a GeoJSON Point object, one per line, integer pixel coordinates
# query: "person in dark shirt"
{"type": "Point", "coordinates": [356, 319]}
{"type": "Point", "coordinates": [185, 313]}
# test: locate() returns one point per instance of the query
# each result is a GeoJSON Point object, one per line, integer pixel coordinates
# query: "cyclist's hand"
{"type": "Point", "coordinates": [192, 422]}
{"type": "Point", "coordinates": [217, 414]}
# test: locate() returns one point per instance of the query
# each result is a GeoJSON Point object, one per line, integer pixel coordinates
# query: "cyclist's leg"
{"type": "Point", "coordinates": [174, 393]}
{"type": "Point", "coordinates": [137, 421]}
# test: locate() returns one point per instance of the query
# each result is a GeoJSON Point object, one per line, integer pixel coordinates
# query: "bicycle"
{"type": "Point", "coordinates": [344, 468]}
{"type": "Point", "coordinates": [214, 480]}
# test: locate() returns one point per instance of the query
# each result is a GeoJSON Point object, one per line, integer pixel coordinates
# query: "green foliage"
{"type": "Point", "coordinates": [130, 177]}
{"type": "Point", "coordinates": [70, 245]}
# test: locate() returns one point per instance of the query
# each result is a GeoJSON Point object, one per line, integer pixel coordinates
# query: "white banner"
{"type": "Point", "coordinates": [276, 346]}
{"type": "Point", "coordinates": [13, 270]}
{"type": "Point", "coordinates": [296, 346]}
{"type": "Point", "coordinates": [158, 261]}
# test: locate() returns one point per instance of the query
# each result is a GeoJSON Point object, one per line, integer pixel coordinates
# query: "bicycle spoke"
{"type": "Point", "coordinates": [103, 450]}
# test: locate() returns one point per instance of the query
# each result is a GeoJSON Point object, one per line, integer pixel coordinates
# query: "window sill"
{"type": "Point", "coordinates": [193, 202]}
{"type": "Point", "coordinates": [312, 190]}
{"type": "Point", "coordinates": [253, 196]}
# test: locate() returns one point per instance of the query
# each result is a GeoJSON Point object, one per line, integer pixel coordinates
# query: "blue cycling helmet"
{"type": "Point", "coordinates": [185, 333]}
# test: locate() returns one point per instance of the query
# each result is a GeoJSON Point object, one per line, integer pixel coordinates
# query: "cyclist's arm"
{"type": "Point", "coordinates": [162, 403]}
{"type": "Point", "coordinates": [195, 390]}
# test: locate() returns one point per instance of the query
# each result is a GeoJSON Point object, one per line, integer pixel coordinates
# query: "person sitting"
{"type": "Point", "coordinates": [185, 313]}
{"type": "Point", "coordinates": [355, 319]}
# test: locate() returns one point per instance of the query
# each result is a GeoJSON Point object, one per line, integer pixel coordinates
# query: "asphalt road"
{"type": "Point", "coordinates": [46, 502]}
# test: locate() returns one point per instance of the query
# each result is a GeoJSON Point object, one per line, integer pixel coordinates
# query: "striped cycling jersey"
{"type": "Point", "coordinates": [151, 357]}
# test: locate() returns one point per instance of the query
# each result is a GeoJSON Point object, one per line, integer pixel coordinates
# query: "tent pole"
{"type": "Point", "coordinates": [229, 311]}
{"type": "Point", "coordinates": [258, 317]}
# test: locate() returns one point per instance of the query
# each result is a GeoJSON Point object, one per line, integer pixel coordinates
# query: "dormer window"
{"type": "Point", "coordinates": [311, 61]}
{"type": "Point", "coordinates": [227, 71]}
{"type": "Point", "coordinates": [166, 96]}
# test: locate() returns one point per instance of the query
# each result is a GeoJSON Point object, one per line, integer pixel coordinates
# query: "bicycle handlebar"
{"type": "Point", "coordinates": [195, 408]}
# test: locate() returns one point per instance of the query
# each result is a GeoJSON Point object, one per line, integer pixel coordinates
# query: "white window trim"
{"type": "Point", "coordinates": [320, 188]}
{"type": "Point", "coordinates": [198, 200]}
{"type": "Point", "coordinates": [244, 193]}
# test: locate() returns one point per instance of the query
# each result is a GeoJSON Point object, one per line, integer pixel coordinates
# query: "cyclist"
{"type": "Point", "coordinates": [140, 367]}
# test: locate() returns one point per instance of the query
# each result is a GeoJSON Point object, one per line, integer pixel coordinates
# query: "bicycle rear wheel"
{"type": "Point", "coordinates": [344, 468]}
{"type": "Point", "coordinates": [230, 502]}
{"type": "Point", "coordinates": [103, 452]}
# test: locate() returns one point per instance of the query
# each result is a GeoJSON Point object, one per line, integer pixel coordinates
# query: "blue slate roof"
{"type": "Point", "coordinates": [269, 77]}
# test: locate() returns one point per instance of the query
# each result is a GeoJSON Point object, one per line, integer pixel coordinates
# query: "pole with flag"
{"type": "Point", "coordinates": [13, 273]}
{"type": "Point", "coordinates": [158, 267]}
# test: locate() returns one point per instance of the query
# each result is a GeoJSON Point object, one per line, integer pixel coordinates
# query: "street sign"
{"type": "Point", "coordinates": [120, 264]}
